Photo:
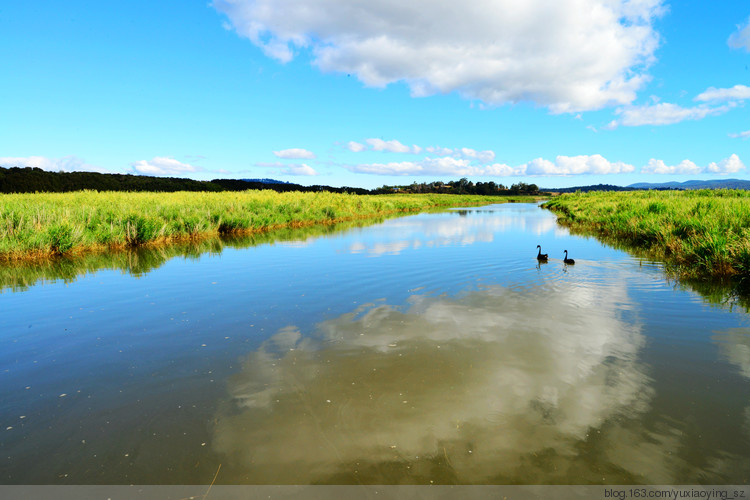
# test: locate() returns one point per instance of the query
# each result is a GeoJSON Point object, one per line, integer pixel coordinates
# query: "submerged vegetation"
{"type": "Point", "coordinates": [48, 224]}
{"type": "Point", "coordinates": [699, 234]}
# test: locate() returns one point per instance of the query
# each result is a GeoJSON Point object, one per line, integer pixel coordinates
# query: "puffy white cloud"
{"type": "Point", "coordinates": [392, 146]}
{"type": "Point", "coordinates": [450, 165]}
{"type": "Point", "coordinates": [439, 151]}
{"type": "Point", "coordinates": [741, 38]}
{"type": "Point", "coordinates": [393, 168]}
{"type": "Point", "coordinates": [738, 93]}
{"type": "Point", "coordinates": [659, 167]}
{"type": "Point", "coordinates": [481, 156]}
{"type": "Point", "coordinates": [446, 165]}
{"type": "Point", "coordinates": [295, 154]}
{"type": "Point", "coordinates": [593, 53]}
{"type": "Point", "coordinates": [64, 164]}
{"type": "Point", "coordinates": [395, 146]}
{"type": "Point", "coordinates": [577, 165]}
{"type": "Point", "coordinates": [663, 114]}
{"type": "Point", "coordinates": [356, 147]}
{"type": "Point", "coordinates": [741, 135]}
{"type": "Point", "coordinates": [161, 165]}
{"type": "Point", "coordinates": [301, 169]}
{"type": "Point", "coordinates": [730, 165]}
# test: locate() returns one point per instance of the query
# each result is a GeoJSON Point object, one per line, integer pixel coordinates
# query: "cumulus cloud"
{"type": "Point", "coordinates": [450, 165]}
{"type": "Point", "coordinates": [301, 169]}
{"type": "Point", "coordinates": [741, 38]}
{"type": "Point", "coordinates": [392, 146]}
{"type": "Point", "coordinates": [664, 114]}
{"type": "Point", "coordinates": [561, 166]}
{"type": "Point", "coordinates": [730, 165]}
{"type": "Point", "coordinates": [481, 156]}
{"type": "Point", "coordinates": [356, 147]}
{"type": "Point", "coordinates": [395, 146]}
{"type": "Point", "coordinates": [446, 165]}
{"type": "Point", "coordinates": [659, 167]}
{"type": "Point", "coordinates": [294, 154]}
{"type": "Point", "coordinates": [736, 93]}
{"type": "Point", "coordinates": [577, 165]}
{"type": "Point", "coordinates": [64, 164]}
{"type": "Point", "coordinates": [741, 135]}
{"type": "Point", "coordinates": [161, 165]}
{"type": "Point", "coordinates": [594, 53]}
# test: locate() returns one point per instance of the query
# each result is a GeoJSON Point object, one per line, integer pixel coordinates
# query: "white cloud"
{"type": "Point", "coordinates": [449, 165]}
{"type": "Point", "coordinates": [741, 135]}
{"type": "Point", "coordinates": [64, 164]}
{"type": "Point", "coordinates": [356, 147]}
{"type": "Point", "coordinates": [393, 168]}
{"type": "Point", "coordinates": [446, 165]}
{"type": "Point", "coordinates": [562, 166]}
{"type": "Point", "coordinates": [301, 169]}
{"type": "Point", "coordinates": [730, 165]}
{"type": "Point", "coordinates": [663, 114]}
{"type": "Point", "coordinates": [481, 156]}
{"type": "Point", "coordinates": [738, 93]}
{"type": "Point", "coordinates": [294, 154]}
{"type": "Point", "coordinates": [567, 55]}
{"type": "Point", "coordinates": [439, 151]}
{"type": "Point", "coordinates": [392, 146]}
{"type": "Point", "coordinates": [659, 167]}
{"type": "Point", "coordinates": [577, 165]}
{"type": "Point", "coordinates": [395, 146]}
{"type": "Point", "coordinates": [161, 165]}
{"type": "Point", "coordinates": [741, 38]}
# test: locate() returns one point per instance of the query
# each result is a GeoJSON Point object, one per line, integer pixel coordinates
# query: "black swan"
{"type": "Point", "coordinates": [567, 260]}
{"type": "Point", "coordinates": [541, 256]}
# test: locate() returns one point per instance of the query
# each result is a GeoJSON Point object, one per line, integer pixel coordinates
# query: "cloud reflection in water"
{"type": "Point", "coordinates": [416, 232]}
{"type": "Point", "coordinates": [494, 386]}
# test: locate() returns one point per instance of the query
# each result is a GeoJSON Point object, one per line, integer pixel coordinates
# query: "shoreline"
{"type": "Point", "coordinates": [44, 226]}
{"type": "Point", "coordinates": [702, 234]}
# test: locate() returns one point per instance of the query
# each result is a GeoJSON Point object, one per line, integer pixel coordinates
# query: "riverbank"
{"type": "Point", "coordinates": [698, 234]}
{"type": "Point", "coordinates": [44, 225]}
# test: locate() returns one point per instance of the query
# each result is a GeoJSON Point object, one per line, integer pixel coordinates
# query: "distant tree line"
{"type": "Point", "coordinates": [463, 186]}
{"type": "Point", "coordinates": [31, 180]}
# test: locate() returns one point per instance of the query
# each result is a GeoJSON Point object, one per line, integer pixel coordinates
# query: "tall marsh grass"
{"type": "Point", "coordinates": [701, 233]}
{"type": "Point", "coordinates": [45, 224]}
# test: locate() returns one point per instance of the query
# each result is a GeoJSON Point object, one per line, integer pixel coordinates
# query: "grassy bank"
{"type": "Point", "coordinates": [699, 234]}
{"type": "Point", "coordinates": [48, 224]}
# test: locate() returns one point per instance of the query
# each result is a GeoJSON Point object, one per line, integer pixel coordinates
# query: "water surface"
{"type": "Point", "coordinates": [425, 349]}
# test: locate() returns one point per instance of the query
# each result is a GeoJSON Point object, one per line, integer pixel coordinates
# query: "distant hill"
{"type": "Point", "coordinates": [697, 184]}
{"type": "Point", "coordinates": [585, 189]}
{"type": "Point", "coordinates": [266, 181]}
{"type": "Point", "coordinates": [714, 184]}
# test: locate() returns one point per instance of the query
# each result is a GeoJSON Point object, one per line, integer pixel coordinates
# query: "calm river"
{"type": "Point", "coordinates": [424, 349]}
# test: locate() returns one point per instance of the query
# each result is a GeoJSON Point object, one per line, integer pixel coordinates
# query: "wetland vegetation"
{"type": "Point", "coordinates": [48, 224]}
{"type": "Point", "coordinates": [699, 234]}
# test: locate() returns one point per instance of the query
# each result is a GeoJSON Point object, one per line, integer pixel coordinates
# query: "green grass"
{"type": "Point", "coordinates": [49, 224]}
{"type": "Point", "coordinates": [699, 234]}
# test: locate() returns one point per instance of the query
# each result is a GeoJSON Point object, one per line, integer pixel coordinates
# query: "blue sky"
{"type": "Point", "coordinates": [366, 93]}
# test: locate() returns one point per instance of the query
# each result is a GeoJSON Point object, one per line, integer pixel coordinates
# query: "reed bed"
{"type": "Point", "coordinates": [699, 234]}
{"type": "Point", "coordinates": [47, 224]}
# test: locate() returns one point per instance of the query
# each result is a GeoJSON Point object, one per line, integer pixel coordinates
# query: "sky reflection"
{"type": "Point", "coordinates": [496, 385]}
